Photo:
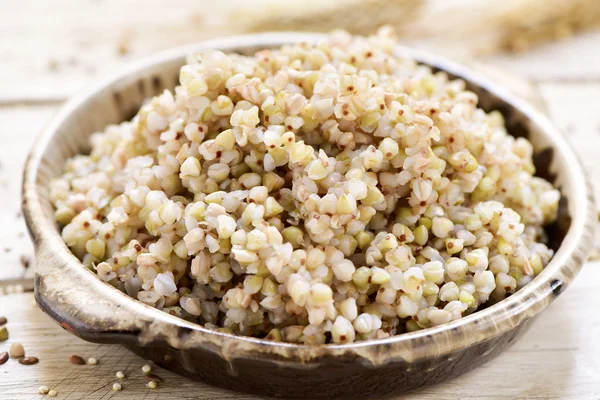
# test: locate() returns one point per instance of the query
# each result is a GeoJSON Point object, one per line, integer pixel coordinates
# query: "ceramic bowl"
{"type": "Point", "coordinates": [97, 312]}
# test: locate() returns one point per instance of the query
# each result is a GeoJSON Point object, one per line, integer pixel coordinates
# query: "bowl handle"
{"type": "Point", "coordinates": [74, 297]}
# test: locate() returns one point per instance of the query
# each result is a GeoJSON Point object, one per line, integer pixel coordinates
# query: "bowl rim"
{"type": "Point", "coordinates": [444, 339]}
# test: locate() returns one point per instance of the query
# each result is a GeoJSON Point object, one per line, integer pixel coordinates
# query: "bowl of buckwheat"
{"type": "Point", "coordinates": [304, 215]}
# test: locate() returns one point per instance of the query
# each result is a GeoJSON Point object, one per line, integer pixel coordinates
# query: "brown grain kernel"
{"type": "Point", "coordinates": [3, 357]}
{"type": "Point", "coordinates": [137, 247]}
{"type": "Point", "coordinates": [107, 236]}
{"type": "Point", "coordinates": [25, 261]}
{"type": "Point", "coordinates": [29, 360]}
{"type": "Point", "coordinates": [152, 377]}
{"type": "Point", "coordinates": [3, 321]}
{"type": "Point", "coordinates": [75, 359]}
{"type": "Point", "coordinates": [381, 106]}
{"type": "Point", "coordinates": [450, 245]}
{"type": "Point", "coordinates": [52, 65]}
{"type": "Point", "coordinates": [402, 237]}
{"type": "Point", "coordinates": [123, 49]}
{"type": "Point", "coordinates": [86, 224]}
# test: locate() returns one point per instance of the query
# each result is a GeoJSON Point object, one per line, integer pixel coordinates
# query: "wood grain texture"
{"type": "Point", "coordinates": [20, 125]}
{"type": "Point", "coordinates": [557, 359]}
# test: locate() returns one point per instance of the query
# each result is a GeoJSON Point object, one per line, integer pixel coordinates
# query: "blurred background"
{"type": "Point", "coordinates": [50, 49]}
{"type": "Point", "coordinates": [545, 50]}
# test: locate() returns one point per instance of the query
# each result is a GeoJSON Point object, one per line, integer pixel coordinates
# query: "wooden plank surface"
{"type": "Point", "coordinates": [558, 358]}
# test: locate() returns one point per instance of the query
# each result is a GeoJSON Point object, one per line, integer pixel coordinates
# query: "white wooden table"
{"type": "Point", "coordinates": [50, 50]}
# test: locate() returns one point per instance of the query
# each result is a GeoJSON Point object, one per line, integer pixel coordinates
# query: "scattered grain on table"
{"type": "Point", "coordinates": [53, 65]}
{"type": "Point", "coordinates": [3, 334]}
{"type": "Point", "coordinates": [29, 360]}
{"type": "Point", "coordinates": [16, 350]}
{"type": "Point", "coordinates": [153, 377]}
{"type": "Point", "coordinates": [25, 261]}
{"type": "Point", "coordinates": [77, 360]}
{"type": "Point", "coordinates": [123, 49]}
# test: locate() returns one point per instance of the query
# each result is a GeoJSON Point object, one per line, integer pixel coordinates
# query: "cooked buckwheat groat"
{"type": "Point", "coordinates": [314, 193]}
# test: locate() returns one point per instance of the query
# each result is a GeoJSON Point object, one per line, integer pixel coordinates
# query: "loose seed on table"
{"type": "Point", "coordinates": [29, 360]}
{"type": "Point", "coordinates": [52, 393]}
{"type": "Point", "coordinates": [146, 369]}
{"type": "Point", "coordinates": [92, 361]}
{"type": "Point", "coordinates": [3, 357]}
{"type": "Point", "coordinates": [16, 350]}
{"type": "Point", "coordinates": [3, 334]}
{"type": "Point", "coordinates": [43, 389]}
{"type": "Point", "coordinates": [117, 386]}
{"type": "Point", "coordinates": [153, 377]}
{"type": "Point", "coordinates": [152, 384]}
{"type": "Point", "coordinates": [3, 321]}
{"type": "Point", "coordinates": [25, 261]}
{"type": "Point", "coordinates": [120, 375]}
{"type": "Point", "coordinates": [75, 359]}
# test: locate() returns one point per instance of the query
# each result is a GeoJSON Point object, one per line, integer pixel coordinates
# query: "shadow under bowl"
{"type": "Point", "coordinates": [97, 312]}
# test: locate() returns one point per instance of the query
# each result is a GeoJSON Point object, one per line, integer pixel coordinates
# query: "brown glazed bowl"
{"type": "Point", "coordinates": [97, 312]}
